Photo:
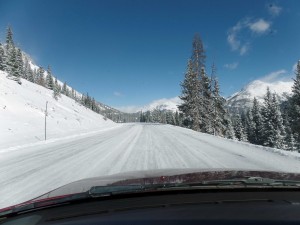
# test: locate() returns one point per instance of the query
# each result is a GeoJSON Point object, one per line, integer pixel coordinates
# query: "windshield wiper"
{"type": "Point", "coordinates": [101, 191]}
{"type": "Point", "coordinates": [254, 181]}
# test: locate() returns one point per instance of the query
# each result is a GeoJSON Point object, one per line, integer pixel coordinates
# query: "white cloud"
{"type": "Point", "coordinates": [274, 9]}
{"type": "Point", "coordinates": [274, 76]}
{"type": "Point", "coordinates": [232, 37]}
{"type": "Point", "coordinates": [231, 66]}
{"type": "Point", "coordinates": [260, 26]}
{"type": "Point", "coordinates": [244, 49]}
{"type": "Point", "coordinates": [239, 36]}
{"type": "Point", "coordinates": [117, 94]}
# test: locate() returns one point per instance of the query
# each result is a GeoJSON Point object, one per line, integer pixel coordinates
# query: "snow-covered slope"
{"type": "Point", "coordinates": [22, 114]}
{"type": "Point", "coordinates": [244, 98]}
{"type": "Point", "coordinates": [163, 104]}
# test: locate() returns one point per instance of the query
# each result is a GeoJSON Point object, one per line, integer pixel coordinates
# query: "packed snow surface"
{"type": "Point", "coordinates": [32, 170]}
{"type": "Point", "coordinates": [22, 114]}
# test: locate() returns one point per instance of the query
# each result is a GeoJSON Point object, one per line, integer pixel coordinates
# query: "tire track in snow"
{"type": "Point", "coordinates": [32, 171]}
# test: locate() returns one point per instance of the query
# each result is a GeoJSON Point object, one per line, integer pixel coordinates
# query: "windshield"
{"type": "Point", "coordinates": [97, 88]}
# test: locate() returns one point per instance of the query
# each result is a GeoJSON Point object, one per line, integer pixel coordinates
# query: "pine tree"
{"type": "Point", "coordinates": [256, 124]}
{"type": "Point", "coordinates": [170, 117]}
{"type": "Point", "coordinates": [229, 131]}
{"type": "Point", "coordinates": [64, 89]}
{"type": "Point", "coordinates": [19, 64]}
{"type": "Point", "coordinates": [198, 67]}
{"type": "Point", "coordinates": [30, 75]}
{"type": "Point", "coordinates": [56, 93]}
{"type": "Point", "coordinates": [14, 70]}
{"type": "Point", "coordinates": [198, 55]}
{"type": "Point", "coordinates": [273, 130]}
{"type": "Point", "coordinates": [177, 123]}
{"type": "Point", "coordinates": [218, 111]}
{"type": "Point", "coordinates": [247, 121]}
{"type": "Point", "coordinates": [10, 52]}
{"type": "Point", "coordinates": [206, 103]}
{"type": "Point", "coordinates": [35, 76]}
{"type": "Point", "coordinates": [191, 99]}
{"type": "Point", "coordinates": [72, 93]}
{"type": "Point", "coordinates": [26, 69]}
{"type": "Point", "coordinates": [192, 92]}
{"type": "Point", "coordinates": [49, 79]}
{"type": "Point", "coordinates": [56, 89]}
{"type": "Point", "coordinates": [294, 105]}
{"type": "Point", "coordinates": [2, 58]}
{"type": "Point", "coordinates": [40, 79]}
{"type": "Point", "coordinates": [9, 39]}
{"type": "Point", "coordinates": [289, 140]}
{"type": "Point", "coordinates": [239, 129]}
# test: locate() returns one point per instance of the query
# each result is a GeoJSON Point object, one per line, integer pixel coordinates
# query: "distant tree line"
{"type": "Point", "coordinates": [158, 115]}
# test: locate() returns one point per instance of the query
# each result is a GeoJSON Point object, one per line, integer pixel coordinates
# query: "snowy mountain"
{"type": "Point", "coordinates": [22, 114]}
{"type": "Point", "coordinates": [162, 104]}
{"type": "Point", "coordinates": [257, 88]}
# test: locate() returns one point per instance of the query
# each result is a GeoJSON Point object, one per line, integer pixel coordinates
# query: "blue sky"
{"type": "Point", "coordinates": [129, 53]}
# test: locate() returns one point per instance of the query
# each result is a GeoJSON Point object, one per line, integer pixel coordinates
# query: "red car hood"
{"type": "Point", "coordinates": [163, 176]}
{"type": "Point", "coordinates": [154, 177]}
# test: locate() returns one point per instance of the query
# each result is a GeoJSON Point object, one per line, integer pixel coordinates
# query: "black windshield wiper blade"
{"type": "Point", "coordinates": [250, 181]}
{"type": "Point", "coordinates": [101, 191]}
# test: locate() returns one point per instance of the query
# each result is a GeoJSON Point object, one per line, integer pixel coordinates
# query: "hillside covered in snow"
{"type": "Point", "coordinates": [22, 114]}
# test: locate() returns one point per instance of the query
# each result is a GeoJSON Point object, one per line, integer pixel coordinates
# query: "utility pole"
{"type": "Point", "coordinates": [46, 121]}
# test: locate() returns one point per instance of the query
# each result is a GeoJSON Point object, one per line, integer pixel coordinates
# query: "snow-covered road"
{"type": "Point", "coordinates": [31, 171]}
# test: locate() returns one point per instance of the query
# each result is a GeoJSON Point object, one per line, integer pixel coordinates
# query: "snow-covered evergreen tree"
{"type": "Point", "coordinates": [206, 109]}
{"type": "Point", "coordinates": [256, 124]}
{"type": "Point", "coordinates": [9, 38]}
{"type": "Point", "coordinates": [218, 112]}
{"type": "Point", "coordinates": [30, 75]}
{"type": "Point", "coordinates": [273, 129]}
{"type": "Point", "coordinates": [20, 63]}
{"type": "Point", "coordinates": [190, 98]}
{"type": "Point", "coordinates": [177, 119]}
{"type": "Point", "coordinates": [14, 68]}
{"type": "Point", "coordinates": [229, 131]}
{"type": "Point", "coordinates": [49, 79]}
{"type": "Point", "coordinates": [25, 73]}
{"type": "Point", "coordinates": [170, 118]}
{"type": "Point", "coordinates": [10, 53]}
{"type": "Point", "coordinates": [2, 58]}
{"type": "Point", "coordinates": [239, 129]}
{"type": "Point", "coordinates": [56, 88]}
{"type": "Point", "coordinates": [64, 89]}
{"type": "Point", "coordinates": [40, 79]}
{"type": "Point", "coordinates": [294, 105]}
{"type": "Point", "coordinates": [289, 140]}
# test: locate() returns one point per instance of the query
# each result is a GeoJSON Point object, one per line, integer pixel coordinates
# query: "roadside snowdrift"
{"type": "Point", "coordinates": [22, 114]}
